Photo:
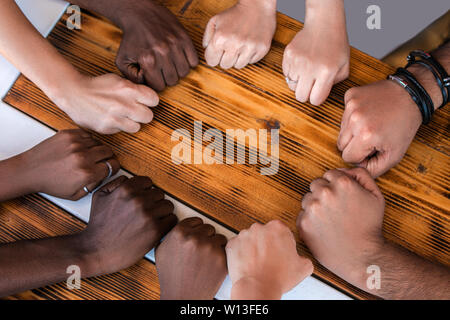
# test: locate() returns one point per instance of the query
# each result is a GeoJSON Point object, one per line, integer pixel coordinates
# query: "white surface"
{"type": "Point", "coordinates": [18, 133]}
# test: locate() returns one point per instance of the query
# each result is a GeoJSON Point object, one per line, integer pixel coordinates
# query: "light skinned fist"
{"type": "Point", "coordinates": [263, 262]}
{"type": "Point", "coordinates": [319, 55]}
{"type": "Point", "coordinates": [241, 35]}
{"type": "Point", "coordinates": [341, 222]}
{"type": "Point", "coordinates": [107, 104]}
{"type": "Point", "coordinates": [378, 125]}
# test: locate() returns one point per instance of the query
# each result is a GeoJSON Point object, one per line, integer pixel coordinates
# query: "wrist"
{"type": "Point", "coordinates": [269, 5]}
{"type": "Point", "coordinates": [14, 178]}
{"type": "Point", "coordinates": [250, 288]}
{"type": "Point", "coordinates": [88, 258]}
{"type": "Point", "coordinates": [428, 81]}
{"type": "Point", "coordinates": [121, 12]}
{"type": "Point", "coordinates": [61, 94]}
{"type": "Point", "coordinates": [413, 112]}
{"type": "Point", "coordinates": [325, 11]}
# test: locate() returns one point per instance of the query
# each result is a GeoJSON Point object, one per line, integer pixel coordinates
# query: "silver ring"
{"type": "Point", "coordinates": [86, 190]}
{"type": "Point", "coordinates": [110, 170]}
{"type": "Point", "coordinates": [290, 81]}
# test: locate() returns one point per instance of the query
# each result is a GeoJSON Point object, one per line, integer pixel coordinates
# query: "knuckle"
{"type": "Point", "coordinates": [325, 192]}
{"type": "Point", "coordinates": [77, 159]}
{"type": "Point", "coordinates": [344, 181]}
{"type": "Point", "coordinates": [314, 206]}
{"type": "Point", "coordinates": [138, 203]}
{"type": "Point", "coordinates": [85, 175]}
{"type": "Point", "coordinates": [277, 224]}
{"type": "Point", "coordinates": [356, 117]}
{"type": "Point", "coordinates": [162, 48]}
{"type": "Point", "coordinates": [147, 59]}
{"type": "Point", "coordinates": [191, 242]}
{"type": "Point", "coordinates": [350, 93]}
{"type": "Point", "coordinates": [256, 227]}
{"type": "Point", "coordinates": [304, 223]}
{"type": "Point", "coordinates": [126, 191]}
{"type": "Point", "coordinates": [74, 146]}
{"type": "Point", "coordinates": [172, 38]}
{"type": "Point", "coordinates": [221, 39]}
{"type": "Point", "coordinates": [367, 134]}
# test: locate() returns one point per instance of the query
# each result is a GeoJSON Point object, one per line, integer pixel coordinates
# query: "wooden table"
{"type": "Point", "coordinates": [417, 190]}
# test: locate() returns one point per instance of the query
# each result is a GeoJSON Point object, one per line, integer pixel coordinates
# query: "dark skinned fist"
{"type": "Point", "coordinates": [155, 50]}
{"type": "Point", "coordinates": [128, 219]}
{"type": "Point", "coordinates": [191, 262]}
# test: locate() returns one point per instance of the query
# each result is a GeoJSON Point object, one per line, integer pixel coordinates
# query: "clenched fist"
{"type": "Point", "coordinates": [378, 125]}
{"type": "Point", "coordinates": [155, 50]}
{"type": "Point", "coordinates": [60, 166]}
{"type": "Point", "coordinates": [319, 55]}
{"type": "Point", "coordinates": [241, 35]}
{"type": "Point", "coordinates": [128, 219]}
{"type": "Point", "coordinates": [191, 262]}
{"type": "Point", "coordinates": [341, 222]}
{"type": "Point", "coordinates": [263, 262]}
{"type": "Point", "coordinates": [107, 104]}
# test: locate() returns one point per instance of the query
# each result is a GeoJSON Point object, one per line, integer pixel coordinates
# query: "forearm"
{"type": "Point", "coordinates": [268, 4]}
{"type": "Point", "coordinates": [34, 56]}
{"type": "Point", "coordinates": [251, 289]}
{"type": "Point", "coordinates": [114, 10]}
{"type": "Point", "coordinates": [31, 264]}
{"type": "Point", "coordinates": [405, 275]}
{"type": "Point", "coordinates": [13, 180]}
{"type": "Point", "coordinates": [330, 12]}
{"type": "Point", "coordinates": [426, 78]}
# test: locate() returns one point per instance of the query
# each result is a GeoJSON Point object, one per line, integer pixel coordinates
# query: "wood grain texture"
{"type": "Point", "coordinates": [417, 190]}
{"type": "Point", "coordinates": [34, 217]}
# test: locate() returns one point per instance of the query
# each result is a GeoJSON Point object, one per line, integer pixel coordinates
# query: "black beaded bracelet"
{"type": "Point", "coordinates": [426, 101]}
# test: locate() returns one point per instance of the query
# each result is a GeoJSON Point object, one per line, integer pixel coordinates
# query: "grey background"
{"type": "Point", "coordinates": [400, 21]}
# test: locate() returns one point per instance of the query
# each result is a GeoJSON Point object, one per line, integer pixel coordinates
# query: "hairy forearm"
{"type": "Point", "coordinates": [426, 78]}
{"type": "Point", "coordinates": [252, 289]}
{"type": "Point", "coordinates": [34, 56]}
{"type": "Point", "coordinates": [405, 275]}
{"type": "Point", "coordinates": [31, 264]}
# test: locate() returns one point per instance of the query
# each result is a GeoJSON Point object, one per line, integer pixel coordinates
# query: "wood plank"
{"type": "Point", "coordinates": [34, 217]}
{"type": "Point", "coordinates": [417, 192]}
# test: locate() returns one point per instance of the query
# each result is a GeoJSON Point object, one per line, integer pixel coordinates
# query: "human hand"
{"type": "Point", "coordinates": [341, 222]}
{"type": "Point", "coordinates": [319, 55]}
{"type": "Point", "coordinates": [155, 49]}
{"type": "Point", "coordinates": [64, 164]}
{"type": "Point", "coordinates": [200, 251]}
{"type": "Point", "coordinates": [374, 134]}
{"type": "Point", "coordinates": [128, 218]}
{"type": "Point", "coordinates": [240, 35]}
{"type": "Point", "coordinates": [263, 262]}
{"type": "Point", "coordinates": [107, 104]}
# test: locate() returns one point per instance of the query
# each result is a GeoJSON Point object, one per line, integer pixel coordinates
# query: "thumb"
{"type": "Point", "coordinates": [112, 186]}
{"type": "Point", "coordinates": [363, 177]}
{"type": "Point", "coordinates": [378, 164]}
{"type": "Point", "coordinates": [209, 31]}
{"type": "Point", "coordinates": [130, 69]}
